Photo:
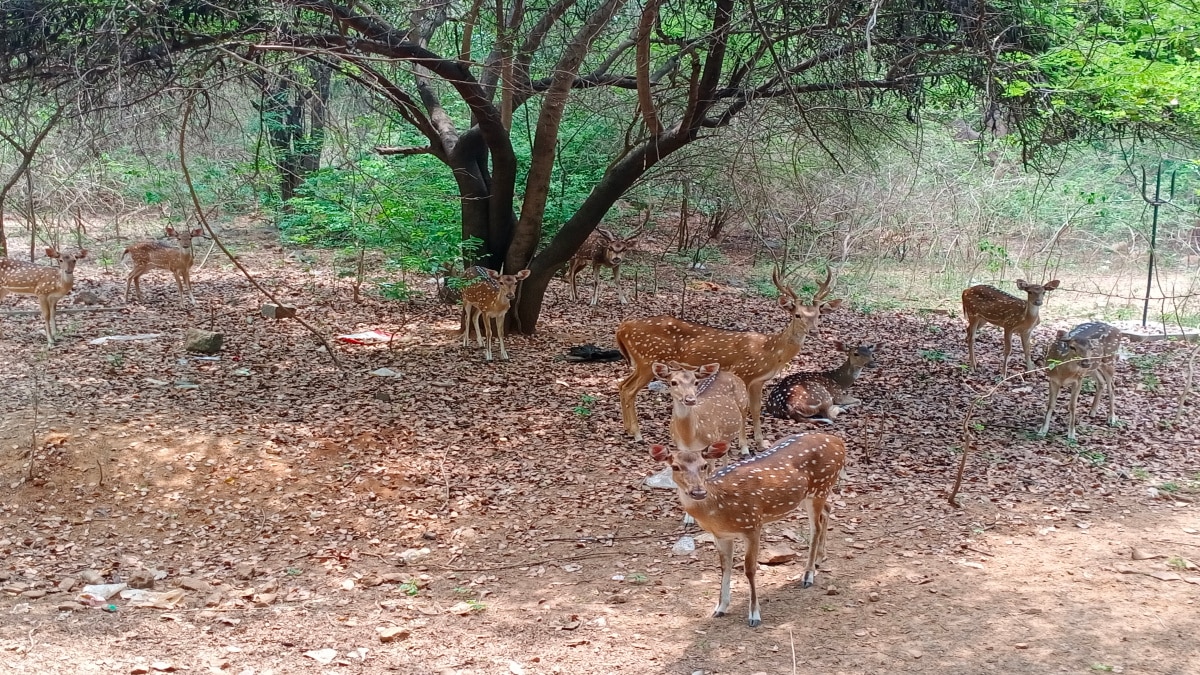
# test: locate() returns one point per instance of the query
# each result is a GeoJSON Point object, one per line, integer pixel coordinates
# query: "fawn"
{"type": "Point", "coordinates": [602, 249]}
{"type": "Point", "coordinates": [708, 405]}
{"type": "Point", "coordinates": [735, 502]}
{"type": "Point", "coordinates": [1090, 349]}
{"type": "Point", "coordinates": [822, 395]}
{"type": "Point", "coordinates": [151, 255]}
{"type": "Point", "coordinates": [754, 357]}
{"type": "Point", "coordinates": [488, 293]}
{"type": "Point", "coordinates": [984, 304]}
{"type": "Point", "coordinates": [49, 284]}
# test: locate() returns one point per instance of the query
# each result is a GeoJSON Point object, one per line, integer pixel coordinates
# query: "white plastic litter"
{"type": "Point", "coordinates": [662, 479]}
{"type": "Point", "coordinates": [684, 546]}
{"type": "Point", "coordinates": [124, 338]}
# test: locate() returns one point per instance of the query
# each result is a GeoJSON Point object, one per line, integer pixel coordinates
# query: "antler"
{"type": "Point", "coordinates": [783, 290]}
{"type": "Point", "coordinates": [641, 228]}
{"type": "Point", "coordinates": [606, 233]}
{"type": "Point", "coordinates": [823, 287]}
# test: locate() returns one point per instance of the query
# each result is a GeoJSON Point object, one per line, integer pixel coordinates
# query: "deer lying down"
{"type": "Point", "coordinates": [985, 304]}
{"type": "Point", "coordinates": [1090, 349]}
{"type": "Point", "coordinates": [738, 500]}
{"type": "Point", "coordinates": [824, 395]}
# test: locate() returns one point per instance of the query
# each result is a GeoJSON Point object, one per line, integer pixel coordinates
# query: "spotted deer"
{"type": "Point", "coordinates": [488, 293]}
{"type": "Point", "coordinates": [754, 357]}
{"type": "Point", "coordinates": [708, 405]}
{"type": "Point", "coordinates": [1090, 349]}
{"type": "Point", "coordinates": [153, 255]}
{"type": "Point", "coordinates": [984, 304]}
{"type": "Point", "coordinates": [48, 284]}
{"type": "Point", "coordinates": [824, 395]}
{"type": "Point", "coordinates": [602, 249]}
{"type": "Point", "coordinates": [735, 502]}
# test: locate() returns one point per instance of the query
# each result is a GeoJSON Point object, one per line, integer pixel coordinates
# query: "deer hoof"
{"type": "Point", "coordinates": [809, 578]}
{"type": "Point", "coordinates": [718, 614]}
{"type": "Point", "coordinates": [754, 623]}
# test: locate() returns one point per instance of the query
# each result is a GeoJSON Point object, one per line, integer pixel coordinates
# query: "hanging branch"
{"type": "Point", "coordinates": [187, 178]}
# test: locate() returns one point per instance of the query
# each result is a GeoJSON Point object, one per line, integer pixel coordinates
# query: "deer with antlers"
{"type": "Point", "coordinates": [754, 357]}
{"type": "Point", "coordinates": [1089, 350]}
{"type": "Point", "coordinates": [824, 395]}
{"type": "Point", "coordinates": [48, 284]}
{"type": "Point", "coordinates": [603, 249]}
{"type": "Point", "coordinates": [489, 294]}
{"type": "Point", "coordinates": [984, 304]}
{"type": "Point", "coordinates": [735, 502]}
{"type": "Point", "coordinates": [153, 255]}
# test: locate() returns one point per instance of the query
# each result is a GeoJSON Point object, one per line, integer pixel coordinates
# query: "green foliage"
{"type": "Point", "coordinates": [934, 355]}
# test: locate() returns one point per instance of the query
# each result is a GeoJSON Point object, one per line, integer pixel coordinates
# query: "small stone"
{"type": "Point", "coordinates": [915, 653]}
{"type": "Point", "coordinates": [34, 594]}
{"type": "Point", "coordinates": [873, 596]}
{"type": "Point", "coordinates": [370, 581]}
{"type": "Point", "coordinates": [86, 298]}
{"type": "Point", "coordinates": [1139, 554]}
{"type": "Point", "coordinates": [832, 590]}
{"type": "Point", "coordinates": [203, 341]}
{"type": "Point", "coordinates": [142, 578]}
{"type": "Point", "coordinates": [91, 577]}
{"type": "Point", "coordinates": [271, 586]}
{"type": "Point", "coordinates": [1021, 645]}
{"type": "Point", "coordinates": [413, 555]}
{"type": "Point", "coordinates": [244, 571]}
{"type": "Point", "coordinates": [70, 606]}
{"type": "Point", "coordinates": [264, 599]}
{"type": "Point", "coordinates": [392, 633]}
{"type": "Point", "coordinates": [213, 599]}
{"type": "Point", "coordinates": [277, 311]}
{"type": "Point", "coordinates": [776, 555]}
{"type": "Point", "coordinates": [198, 585]}
{"type": "Point", "coordinates": [67, 584]}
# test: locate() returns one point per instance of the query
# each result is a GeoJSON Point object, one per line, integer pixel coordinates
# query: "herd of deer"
{"type": "Point", "coordinates": [715, 378]}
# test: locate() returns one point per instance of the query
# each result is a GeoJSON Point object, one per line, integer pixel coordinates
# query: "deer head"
{"type": "Point", "coordinates": [1036, 292]}
{"type": "Point", "coordinates": [184, 236]}
{"type": "Point", "coordinates": [617, 248]}
{"type": "Point", "coordinates": [806, 316]}
{"type": "Point", "coordinates": [66, 261]}
{"type": "Point", "coordinates": [508, 282]}
{"type": "Point", "coordinates": [684, 380]}
{"type": "Point", "coordinates": [689, 468]}
{"type": "Point", "coordinates": [860, 356]}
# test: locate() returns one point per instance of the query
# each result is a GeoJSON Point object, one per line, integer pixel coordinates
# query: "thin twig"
{"type": "Point", "coordinates": [187, 177]}
{"type": "Point", "coordinates": [525, 564]}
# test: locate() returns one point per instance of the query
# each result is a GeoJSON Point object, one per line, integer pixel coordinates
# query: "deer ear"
{"type": "Point", "coordinates": [1051, 285]}
{"type": "Point", "coordinates": [662, 371]}
{"type": "Point", "coordinates": [197, 232]}
{"type": "Point", "coordinates": [492, 273]}
{"type": "Point", "coordinates": [786, 302]}
{"type": "Point", "coordinates": [522, 274]}
{"type": "Point", "coordinates": [170, 231]}
{"type": "Point", "coordinates": [1022, 284]}
{"type": "Point", "coordinates": [831, 305]}
{"type": "Point", "coordinates": [1060, 335]}
{"type": "Point", "coordinates": [660, 453]}
{"type": "Point", "coordinates": [51, 253]}
{"type": "Point", "coordinates": [708, 370]}
{"type": "Point", "coordinates": [716, 450]}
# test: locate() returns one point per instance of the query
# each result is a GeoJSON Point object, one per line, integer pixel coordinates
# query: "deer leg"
{"type": "Point", "coordinates": [1054, 388]}
{"type": "Point", "coordinates": [48, 318]}
{"type": "Point", "coordinates": [466, 336]}
{"type": "Point", "coordinates": [572, 270]}
{"type": "Point", "coordinates": [751, 564]}
{"type": "Point", "coordinates": [743, 442]}
{"type": "Point", "coordinates": [479, 316]}
{"type": "Point", "coordinates": [617, 283]}
{"type": "Point", "coordinates": [500, 332]}
{"type": "Point", "coordinates": [187, 282]}
{"type": "Point", "coordinates": [1110, 374]}
{"type": "Point", "coordinates": [972, 327]}
{"type": "Point", "coordinates": [595, 283]}
{"type": "Point", "coordinates": [630, 387]}
{"type": "Point", "coordinates": [1026, 347]}
{"type": "Point", "coordinates": [816, 538]}
{"type": "Point", "coordinates": [725, 550]}
{"type": "Point", "coordinates": [1007, 353]}
{"type": "Point", "coordinates": [1071, 409]}
{"type": "Point", "coordinates": [755, 391]}
{"type": "Point", "coordinates": [487, 326]}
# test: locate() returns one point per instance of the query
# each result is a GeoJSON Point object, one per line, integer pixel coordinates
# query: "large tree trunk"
{"type": "Point", "coordinates": [295, 116]}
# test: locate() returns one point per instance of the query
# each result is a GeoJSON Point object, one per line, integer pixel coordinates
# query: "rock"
{"type": "Point", "coordinates": [271, 586]}
{"type": "Point", "coordinates": [322, 656]}
{"type": "Point", "coordinates": [213, 599]}
{"type": "Point", "coordinates": [198, 585]}
{"type": "Point", "coordinates": [370, 581]}
{"type": "Point", "coordinates": [832, 590]}
{"type": "Point", "coordinates": [413, 555]}
{"type": "Point", "coordinates": [873, 596]}
{"type": "Point", "coordinates": [1021, 645]}
{"type": "Point", "coordinates": [34, 594]}
{"type": "Point", "coordinates": [264, 599]}
{"type": "Point", "coordinates": [70, 606]}
{"type": "Point", "coordinates": [277, 311]}
{"type": "Point", "coordinates": [244, 571]}
{"type": "Point", "coordinates": [392, 633]}
{"type": "Point", "coordinates": [776, 555]}
{"type": "Point", "coordinates": [91, 577]}
{"type": "Point", "coordinates": [67, 584]}
{"type": "Point", "coordinates": [1139, 554]}
{"type": "Point", "coordinates": [915, 653]}
{"type": "Point", "coordinates": [203, 341]}
{"type": "Point", "coordinates": [86, 298]}
{"type": "Point", "coordinates": [142, 578]}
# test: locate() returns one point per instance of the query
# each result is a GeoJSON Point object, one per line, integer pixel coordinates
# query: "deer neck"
{"type": "Point", "coordinates": [787, 342]}
{"type": "Point", "coordinates": [845, 375]}
{"type": "Point", "coordinates": [1032, 312]}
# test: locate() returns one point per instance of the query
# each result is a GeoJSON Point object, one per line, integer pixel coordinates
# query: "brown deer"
{"type": "Point", "coordinates": [754, 357]}
{"type": "Point", "coordinates": [738, 500]}
{"type": "Point", "coordinates": [1090, 349]}
{"type": "Point", "coordinates": [801, 396]}
{"type": "Point", "coordinates": [152, 255]}
{"type": "Point", "coordinates": [49, 284]}
{"type": "Point", "coordinates": [708, 405]}
{"type": "Point", "coordinates": [602, 249]}
{"type": "Point", "coordinates": [984, 304]}
{"type": "Point", "coordinates": [488, 293]}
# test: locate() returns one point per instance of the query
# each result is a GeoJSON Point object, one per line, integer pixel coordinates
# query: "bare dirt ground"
{"type": "Point", "coordinates": [290, 499]}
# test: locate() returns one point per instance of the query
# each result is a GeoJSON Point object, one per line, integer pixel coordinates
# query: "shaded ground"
{"type": "Point", "coordinates": [286, 500]}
